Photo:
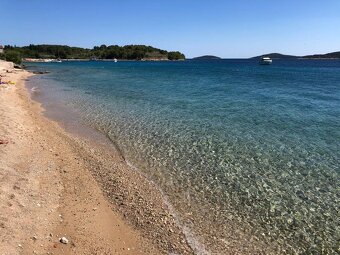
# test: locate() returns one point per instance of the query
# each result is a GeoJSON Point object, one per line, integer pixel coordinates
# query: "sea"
{"type": "Point", "coordinates": [243, 152]}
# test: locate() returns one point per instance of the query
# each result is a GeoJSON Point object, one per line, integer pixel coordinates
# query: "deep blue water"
{"type": "Point", "coordinates": [243, 151]}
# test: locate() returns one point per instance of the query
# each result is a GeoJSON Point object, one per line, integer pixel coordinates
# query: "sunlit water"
{"type": "Point", "coordinates": [242, 151]}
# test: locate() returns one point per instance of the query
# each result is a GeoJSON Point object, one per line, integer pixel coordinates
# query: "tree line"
{"type": "Point", "coordinates": [129, 52]}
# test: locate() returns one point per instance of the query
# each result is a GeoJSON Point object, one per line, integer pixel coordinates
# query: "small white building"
{"type": "Point", "coordinates": [1, 49]}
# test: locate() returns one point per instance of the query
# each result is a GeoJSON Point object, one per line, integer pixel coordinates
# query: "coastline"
{"type": "Point", "coordinates": [54, 184]}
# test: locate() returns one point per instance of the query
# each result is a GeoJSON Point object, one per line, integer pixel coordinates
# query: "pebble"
{"type": "Point", "coordinates": [63, 240]}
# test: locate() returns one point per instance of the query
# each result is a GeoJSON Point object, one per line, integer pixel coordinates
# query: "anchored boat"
{"type": "Point", "coordinates": [266, 61]}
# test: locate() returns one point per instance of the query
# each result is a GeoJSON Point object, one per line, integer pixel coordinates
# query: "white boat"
{"type": "Point", "coordinates": [266, 61]}
{"type": "Point", "coordinates": [115, 60]}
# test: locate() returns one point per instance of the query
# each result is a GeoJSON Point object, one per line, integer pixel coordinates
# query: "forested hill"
{"type": "Point", "coordinates": [130, 52]}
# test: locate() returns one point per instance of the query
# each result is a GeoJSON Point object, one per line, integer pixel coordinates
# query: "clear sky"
{"type": "Point", "coordinates": [226, 28]}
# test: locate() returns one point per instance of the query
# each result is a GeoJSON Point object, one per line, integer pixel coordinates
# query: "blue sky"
{"type": "Point", "coordinates": [230, 29]}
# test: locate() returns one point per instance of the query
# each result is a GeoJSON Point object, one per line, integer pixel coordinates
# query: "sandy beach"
{"type": "Point", "coordinates": [54, 184]}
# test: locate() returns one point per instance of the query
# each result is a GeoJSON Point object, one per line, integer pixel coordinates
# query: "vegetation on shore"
{"type": "Point", "coordinates": [12, 56]}
{"type": "Point", "coordinates": [129, 52]}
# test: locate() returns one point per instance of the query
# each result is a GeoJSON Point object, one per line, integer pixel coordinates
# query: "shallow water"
{"type": "Point", "coordinates": [248, 155]}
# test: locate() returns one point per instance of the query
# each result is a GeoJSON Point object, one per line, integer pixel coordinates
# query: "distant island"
{"type": "Point", "coordinates": [206, 57]}
{"type": "Point", "coordinates": [103, 52]}
{"type": "Point", "coordinates": [328, 55]}
{"type": "Point", "coordinates": [332, 55]}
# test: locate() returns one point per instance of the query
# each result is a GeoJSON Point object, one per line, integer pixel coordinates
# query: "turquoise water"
{"type": "Point", "coordinates": [248, 155]}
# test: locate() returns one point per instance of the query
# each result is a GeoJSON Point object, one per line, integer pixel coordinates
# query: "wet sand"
{"type": "Point", "coordinates": [55, 184]}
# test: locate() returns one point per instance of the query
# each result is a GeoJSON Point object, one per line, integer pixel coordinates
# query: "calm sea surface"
{"type": "Point", "coordinates": [244, 153]}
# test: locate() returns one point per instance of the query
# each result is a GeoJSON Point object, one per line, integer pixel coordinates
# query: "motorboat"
{"type": "Point", "coordinates": [265, 61]}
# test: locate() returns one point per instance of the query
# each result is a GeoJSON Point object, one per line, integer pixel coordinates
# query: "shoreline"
{"type": "Point", "coordinates": [131, 196]}
{"type": "Point", "coordinates": [48, 168]}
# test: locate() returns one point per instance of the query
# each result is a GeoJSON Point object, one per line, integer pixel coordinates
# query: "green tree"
{"type": "Point", "coordinates": [13, 56]}
{"type": "Point", "coordinates": [61, 54]}
{"type": "Point", "coordinates": [175, 55]}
